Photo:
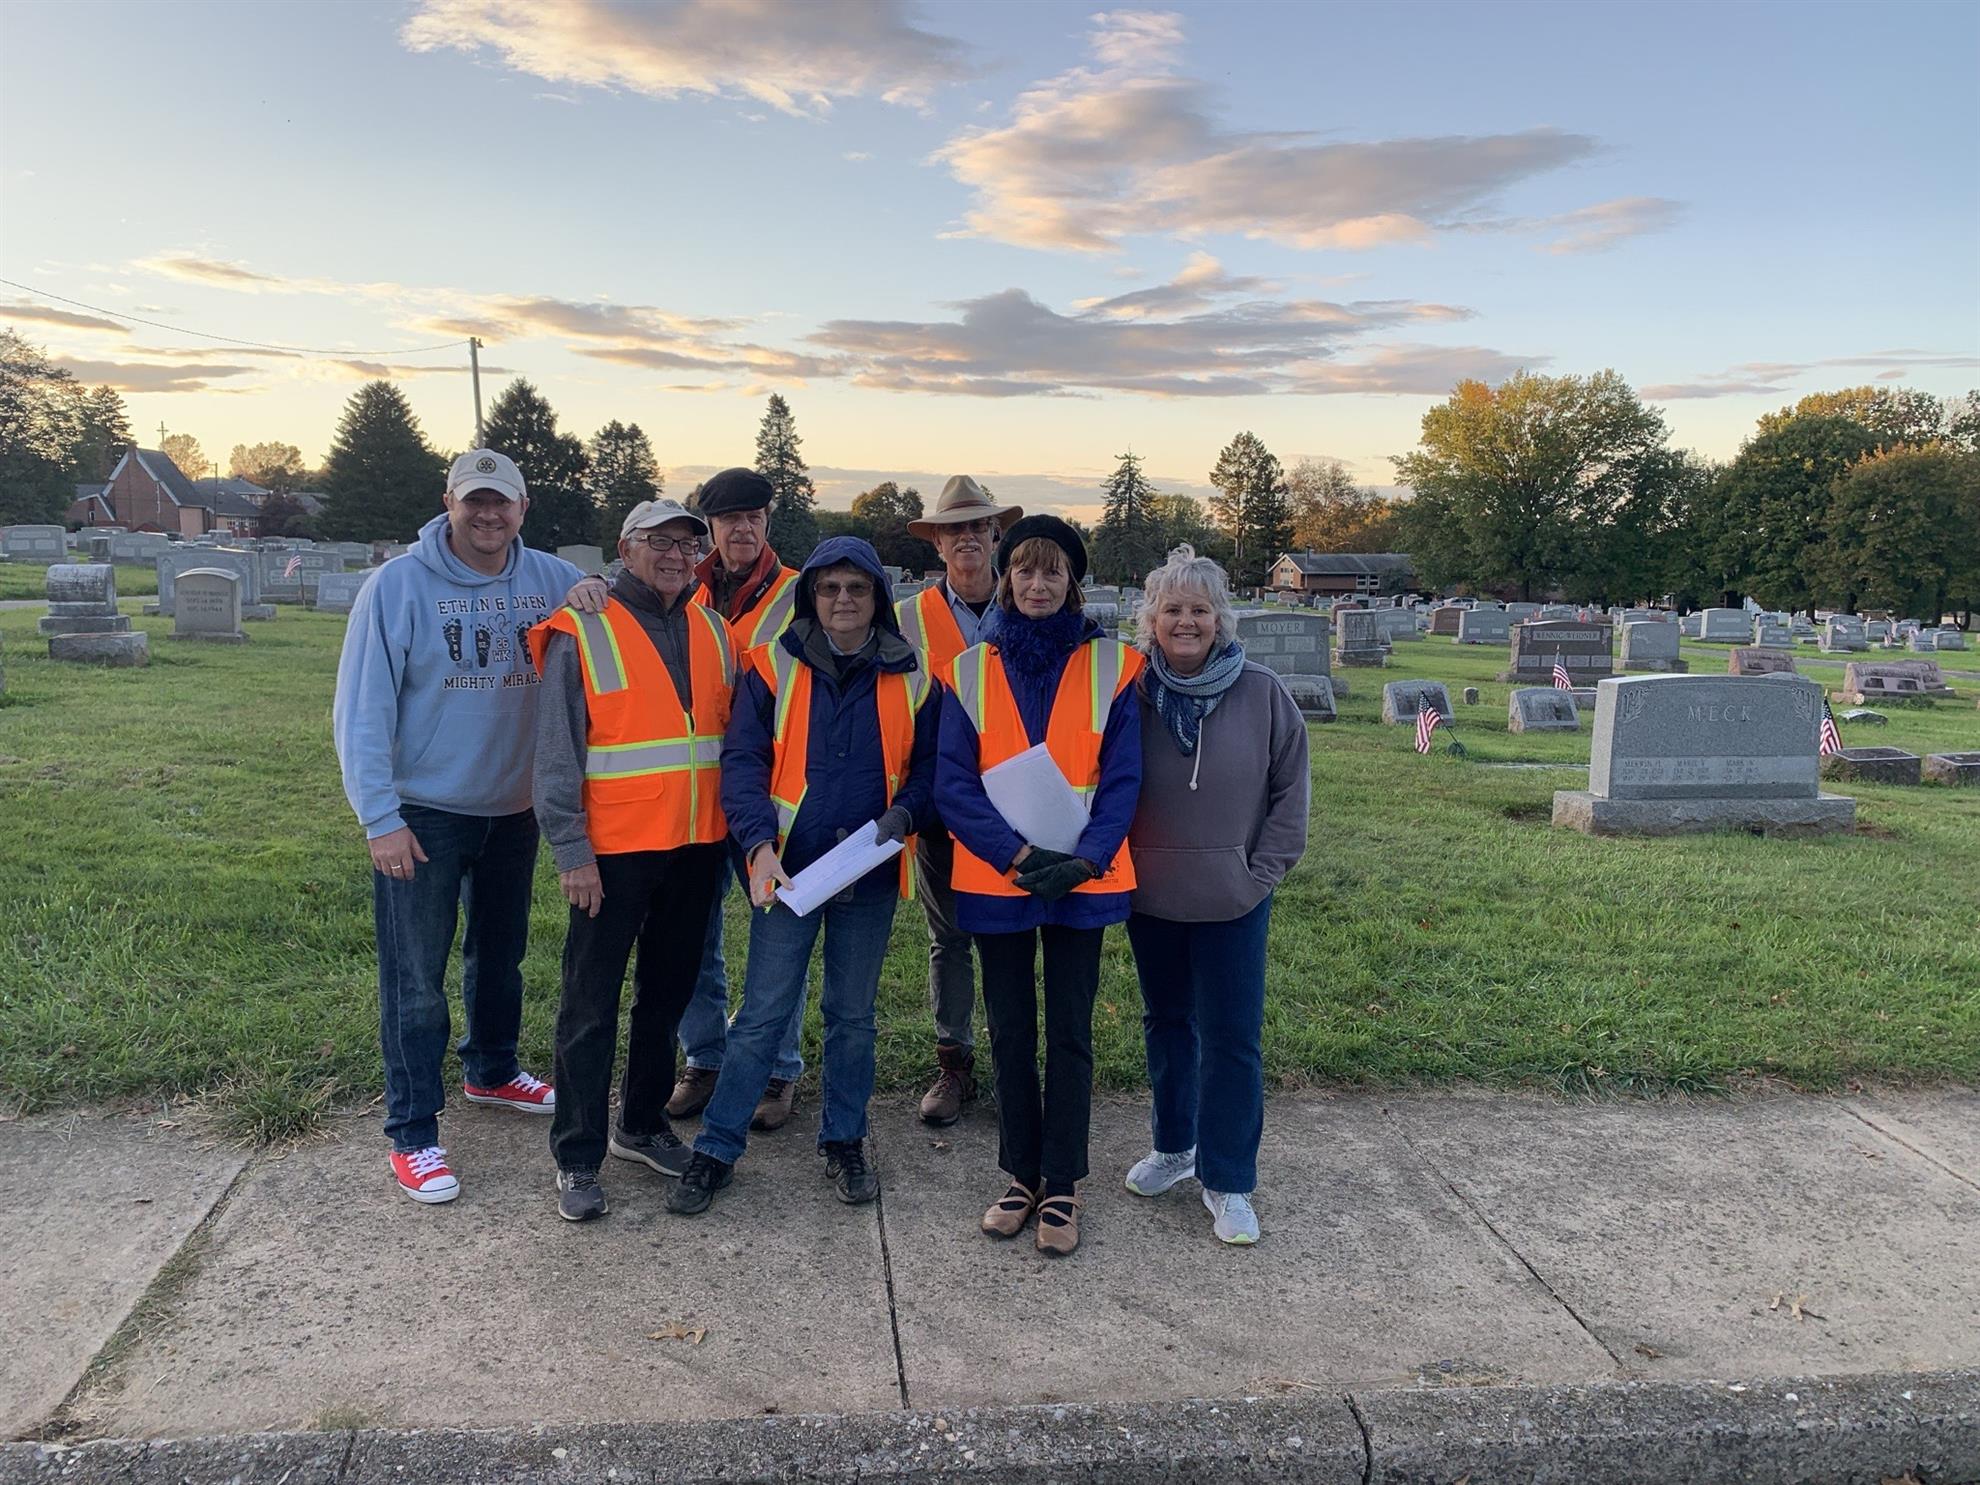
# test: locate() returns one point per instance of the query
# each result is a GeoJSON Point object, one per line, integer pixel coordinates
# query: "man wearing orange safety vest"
{"type": "Point", "coordinates": [942, 621]}
{"type": "Point", "coordinates": [832, 737]}
{"type": "Point", "coordinates": [627, 789]}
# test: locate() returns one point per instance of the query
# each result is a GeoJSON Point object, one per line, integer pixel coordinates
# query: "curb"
{"type": "Point", "coordinates": [1831, 1430]}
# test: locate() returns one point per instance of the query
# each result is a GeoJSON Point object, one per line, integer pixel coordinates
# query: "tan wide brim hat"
{"type": "Point", "coordinates": [962, 500]}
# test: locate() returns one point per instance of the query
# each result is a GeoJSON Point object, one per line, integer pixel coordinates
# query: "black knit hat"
{"type": "Point", "coordinates": [1053, 530]}
{"type": "Point", "coordinates": [733, 490]}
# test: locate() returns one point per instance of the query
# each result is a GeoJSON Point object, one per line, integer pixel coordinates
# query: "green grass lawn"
{"type": "Point", "coordinates": [185, 906]}
{"type": "Point", "coordinates": [23, 580]}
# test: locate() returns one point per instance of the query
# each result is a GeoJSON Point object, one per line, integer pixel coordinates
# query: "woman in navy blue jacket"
{"type": "Point", "coordinates": [1045, 673]}
{"type": "Point", "coordinates": [796, 781]}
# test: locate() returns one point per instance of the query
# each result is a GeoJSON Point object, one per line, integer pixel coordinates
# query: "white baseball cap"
{"type": "Point", "coordinates": [484, 469]}
{"type": "Point", "coordinates": [650, 513]}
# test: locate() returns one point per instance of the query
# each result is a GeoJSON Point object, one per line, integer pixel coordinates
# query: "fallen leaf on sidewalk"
{"type": "Point", "coordinates": [938, 1144]}
{"type": "Point", "coordinates": [1647, 1350]}
{"type": "Point", "coordinates": [1799, 1309]}
{"type": "Point", "coordinates": [1775, 1302]}
{"type": "Point", "coordinates": [679, 1332]}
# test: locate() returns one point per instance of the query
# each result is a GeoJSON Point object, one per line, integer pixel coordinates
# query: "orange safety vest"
{"type": "Point", "coordinates": [770, 616]}
{"type": "Point", "coordinates": [900, 698]}
{"type": "Point", "coordinates": [652, 768]}
{"type": "Point", "coordinates": [1098, 671]}
{"type": "Point", "coordinates": [929, 624]}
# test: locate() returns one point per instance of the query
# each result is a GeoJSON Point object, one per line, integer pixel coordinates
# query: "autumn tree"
{"type": "Point", "coordinates": [1331, 513]}
{"type": "Point", "coordinates": [1891, 415]}
{"type": "Point", "coordinates": [273, 466]}
{"type": "Point", "coordinates": [522, 424]}
{"type": "Point", "coordinates": [184, 450]}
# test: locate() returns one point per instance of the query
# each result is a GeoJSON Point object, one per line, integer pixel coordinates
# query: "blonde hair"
{"type": "Point", "coordinates": [1185, 570]}
{"type": "Point", "coordinates": [1039, 551]}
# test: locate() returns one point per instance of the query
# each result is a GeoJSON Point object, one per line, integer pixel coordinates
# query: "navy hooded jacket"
{"type": "Point", "coordinates": [845, 774]}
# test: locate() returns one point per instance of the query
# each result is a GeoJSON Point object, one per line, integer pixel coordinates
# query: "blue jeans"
{"type": "Point", "coordinates": [1203, 1018]}
{"type": "Point", "coordinates": [483, 866]}
{"type": "Point", "coordinates": [705, 1023]}
{"type": "Point", "coordinates": [780, 945]}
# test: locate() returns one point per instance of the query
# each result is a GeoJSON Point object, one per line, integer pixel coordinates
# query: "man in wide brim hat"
{"type": "Point", "coordinates": [941, 622]}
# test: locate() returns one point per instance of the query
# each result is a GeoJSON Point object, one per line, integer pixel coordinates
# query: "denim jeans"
{"type": "Point", "coordinates": [482, 866]}
{"type": "Point", "coordinates": [780, 944]}
{"type": "Point", "coordinates": [1203, 1018]}
{"type": "Point", "coordinates": [705, 1023]}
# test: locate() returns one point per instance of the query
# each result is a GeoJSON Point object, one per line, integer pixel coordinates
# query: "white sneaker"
{"type": "Point", "coordinates": [1157, 1172]}
{"type": "Point", "coordinates": [1236, 1222]}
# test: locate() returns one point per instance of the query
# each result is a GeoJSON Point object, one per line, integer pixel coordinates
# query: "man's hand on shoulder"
{"type": "Point", "coordinates": [588, 595]}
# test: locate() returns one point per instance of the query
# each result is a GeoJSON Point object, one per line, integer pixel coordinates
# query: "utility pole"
{"type": "Point", "coordinates": [474, 365]}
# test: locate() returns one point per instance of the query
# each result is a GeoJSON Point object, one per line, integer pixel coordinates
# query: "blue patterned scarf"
{"type": "Point", "coordinates": [1184, 701]}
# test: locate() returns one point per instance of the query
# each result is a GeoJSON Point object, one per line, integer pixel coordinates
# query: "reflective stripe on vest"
{"type": "Point", "coordinates": [604, 666]}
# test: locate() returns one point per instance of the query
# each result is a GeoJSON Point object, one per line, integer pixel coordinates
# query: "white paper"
{"type": "Point", "coordinates": [828, 876]}
{"type": "Point", "coordinates": [1036, 801]}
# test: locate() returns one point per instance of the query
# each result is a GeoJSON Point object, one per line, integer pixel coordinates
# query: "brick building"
{"type": "Point", "coordinates": [1343, 574]}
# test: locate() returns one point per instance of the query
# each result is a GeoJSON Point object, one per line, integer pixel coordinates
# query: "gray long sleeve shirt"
{"type": "Point", "coordinates": [562, 723]}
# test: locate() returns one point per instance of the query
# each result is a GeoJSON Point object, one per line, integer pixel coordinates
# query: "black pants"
{"type": "Point", "coordinates": [1042, 1138]}
{"type": "Point", "coordinates": [658, 901]}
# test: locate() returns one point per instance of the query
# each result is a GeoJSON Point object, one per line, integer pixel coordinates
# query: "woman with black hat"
{"type": "Point", "coordinates": [1045, 675]}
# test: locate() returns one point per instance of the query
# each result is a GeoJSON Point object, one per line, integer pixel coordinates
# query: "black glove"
{"type": "Point", "coordinates": [1039, 859]}
{"type": "Point", "coordinates": [1053, 882]}
{"type": "Point", "coordinates": [894, 825]}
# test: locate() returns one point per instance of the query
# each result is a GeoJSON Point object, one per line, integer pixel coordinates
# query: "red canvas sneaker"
{"type": "Point", "coordinates": [530, 1095]}
{"type": "Point", "coordinates": [423, 1175]}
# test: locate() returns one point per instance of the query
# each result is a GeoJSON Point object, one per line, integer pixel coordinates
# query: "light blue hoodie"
{"type": "Point", "coordinates": [436, 695]}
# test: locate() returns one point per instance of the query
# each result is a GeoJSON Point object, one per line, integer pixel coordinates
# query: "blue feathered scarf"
{"type": "Point", "coordinates": [1183, 702]}
{"type": "Point", "coordinates": [1036, 648]}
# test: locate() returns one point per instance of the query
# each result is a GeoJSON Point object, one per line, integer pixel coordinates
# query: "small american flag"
{"type": "Point", "coordinates": [1831, 743]}
{"type": "Point", "coordinates": [1428, 720]}
{"type": "Point", "coordinates": [291, 567]}
{"type": "Point", "coordinates": [1562, 680]}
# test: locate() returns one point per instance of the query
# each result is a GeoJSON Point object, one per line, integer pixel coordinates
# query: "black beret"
{"type": "Point", "coordinates": [1053, 530]}
{"type": "Point", "coordinates": [733, 490]}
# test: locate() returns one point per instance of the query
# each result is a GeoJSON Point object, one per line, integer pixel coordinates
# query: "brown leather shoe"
{"type": "Point", "coordinates": [692, 1091]}
{"type": "Point", "coordinates": [1059, 1238]}
{"type": "Point", "coordinates": [1009, 1212]}
{"type": "Point", "coordinates": [774, 1110]}
{"type": "Point", "coordinates": [954, 1086]}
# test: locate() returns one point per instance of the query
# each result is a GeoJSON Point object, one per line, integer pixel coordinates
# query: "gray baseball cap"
{"type": "Point", "coordinates": [650, 513]}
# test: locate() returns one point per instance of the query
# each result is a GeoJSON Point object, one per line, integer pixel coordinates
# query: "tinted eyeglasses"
{"type": "Point", "coordinates": [687, 546]}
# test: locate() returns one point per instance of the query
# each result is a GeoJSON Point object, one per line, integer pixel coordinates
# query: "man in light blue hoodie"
{"type": "Point", "coordinates": [435, 725]}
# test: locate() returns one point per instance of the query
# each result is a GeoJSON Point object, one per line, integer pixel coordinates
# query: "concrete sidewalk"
{"type": "Point", "coordinates": [1414, 1246]}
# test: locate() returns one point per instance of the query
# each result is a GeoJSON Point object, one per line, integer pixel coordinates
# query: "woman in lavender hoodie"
{"type": "Point", "coordinates": [1221, 820]}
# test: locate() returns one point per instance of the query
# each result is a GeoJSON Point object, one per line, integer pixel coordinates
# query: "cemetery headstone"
{"type": "Point", "coordinates": [34, 544]}
{"type": "Point", "coordinates": [1724, 626]}
{"type": "Point", "coordinates": [1953, 768]}
{"type": "Point", "coordinates": [171, 564]}
{"type": "Point", "coordinates": [1581, 649]}
{"type": "Point", "coordinates": [1395, 624]}
{"type": "Point", "coordinates": [1313, 695]}
{"type": "Point", "coordinates": [1872, 766]}
{"type": "Point", "coordinates": [137, 548]}
{"type": "Point", "coordinates": [1675, 754]}
{"type": "Point", "coordinates": [1289, 643]}
{"type": "Point", "coordinates": [1772, 632]}
{"type": "Point", "coordinates": [1865, 681]}
{"type": "Point", "coordinates": [1471, 696]}
{"type": "Point", "coordinates": [1864, 714]}
{"type": "Point", "coordinates": [1923, 641]}
{"type": "Point", "coordinates": [337, 591]}
{"type": "Point", "coordinates": [289, 575]}
{"type": "Point", "coordinates": [1484, 626]}
{"type": "Point", "coordinates": [1559, 611]}
{"type": "Point", "coordinates": [1446, 620]}
{"type": "Point", "coordinates": [1841, 633]}
{"type": "Point", "coordinates": [207, 606]}
{"type": "Point", "coordinates": [1760, 662]}
{"type": "Point", "coordinates": [83, 624]}
{"type": "Point", "coordinates": [1689, 625]}
{"type": "Point", "coordinates": [1358, 642]}
{"type": "Point", "coordinates": [1652, 645]}
{"type": "Point", "coordinates": [1877, 630]}
{"type": "Point", "coordinates": [1542, 709]}
{"type": "Point", "coordinates": [1402, 700]}
{"type": "Point", "coordinates": [1952, 639]}
{"type": "Point", "coordinates": [1519, 613]}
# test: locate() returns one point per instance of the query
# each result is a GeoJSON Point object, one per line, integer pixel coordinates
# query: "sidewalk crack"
{"type": "Point", "coordinates": [1905, 1144]}
{"type": "Point", "coordinates": [1367, 1439]}
{"type": "Point", "coordinates": [1520, 1258]}
{"type": "Point", "coordinates": [887, 1274]}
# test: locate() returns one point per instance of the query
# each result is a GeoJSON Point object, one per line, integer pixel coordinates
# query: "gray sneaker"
{"type": "Point", "coordinates": [1156, 1172]}
{"type": "Point", "coordinates": [1236, 1222]}
{"type": "Point", "coordinates": [579, 1196]}
{"type": "Point", "coordinates": [664, 1151]}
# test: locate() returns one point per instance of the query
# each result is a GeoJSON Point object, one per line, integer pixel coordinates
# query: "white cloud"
{"type": "Point", "coordinates": [1594, 229]}
{"type": "Point", "coordinates": [796, 56]}
{"type": "Point", "coordinates": [66, 319]}
{"type": "Point", "coordinates": [137, 376]}
{"type": "Point", "coordinates": [1128, 147]}
{"type": "Point", "coordinates": [1772, 378]}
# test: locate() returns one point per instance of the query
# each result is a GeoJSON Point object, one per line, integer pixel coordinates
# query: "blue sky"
{"type": "Point", "coordinates": [1012, 239]}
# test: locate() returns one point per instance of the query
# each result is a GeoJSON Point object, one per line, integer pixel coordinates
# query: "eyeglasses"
{"type": "Point", "coordinates": [855, 588]}
{"type": "Point", "coordinates": [972, 528]}
{"type": "Point", "coordinates": [687, 546]}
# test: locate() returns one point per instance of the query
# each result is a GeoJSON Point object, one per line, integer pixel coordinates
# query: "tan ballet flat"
{"type": "Point", "coordinates": [1009, 1213]}
{"type": "Point", "coordinates": [1058, 1238]}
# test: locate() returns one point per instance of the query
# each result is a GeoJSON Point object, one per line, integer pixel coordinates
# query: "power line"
{"type": "Point", "coordinates": [258, 345]}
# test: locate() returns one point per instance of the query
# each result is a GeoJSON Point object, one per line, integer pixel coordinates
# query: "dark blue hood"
{"type": "Point", "coordinates": [859, 552]}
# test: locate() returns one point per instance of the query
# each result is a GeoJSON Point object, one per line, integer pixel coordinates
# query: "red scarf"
{"type": "Point", "coordinates": [750, 590]}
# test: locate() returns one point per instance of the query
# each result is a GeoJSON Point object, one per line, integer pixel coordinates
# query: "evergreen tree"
{"type": "Point", "coordinates": [106, 433]}
{"type": "Point", "coordinates": [522, 425]}
{"type": "Point", "coordinates": [382, 481]}
{"type": "Point", "coordinates": [1250, 507]}
{"type": "Point", "coordinates": [623, 473]}
{"type": "Point", "coordinates": [1128, 543]}
{"type": "Point", "coordinates": [793, 528]}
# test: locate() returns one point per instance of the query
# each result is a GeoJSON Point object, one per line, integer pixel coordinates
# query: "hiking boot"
{"type": "Point", "coordinates": [664, 1150]}
{"type": "Point", "coordinates": [954, 1086]}
{"type": "Point", "coordinates": [1156, 1172]}
{"type": "Point", "coordinates": [704, 1176]}
{"type": "Point", "coordinates": [845, 1164]}
{"type": "Point", "coordinates": [579, 1196]}
{"type": "Point", "coordinates": [773, 1111]}
{"type": "Point", "coordinates": [693, 1089]}
{"type": "Point", "coordinates": [423, 1175]}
